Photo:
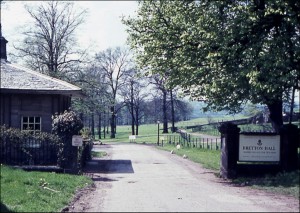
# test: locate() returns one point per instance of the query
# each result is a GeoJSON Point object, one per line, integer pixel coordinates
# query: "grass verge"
{"type": "Point", "coordinates": [209, 159]}
{"type": "Point", "coordinates": [286, 183]}
{"type": "Point", "coordinates": [98, 154]}
{"type": "Point", "coordinates": [23, 191]}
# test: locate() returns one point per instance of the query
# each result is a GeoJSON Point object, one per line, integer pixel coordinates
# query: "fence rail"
{"type": "Point", "coordinates": [189, 140]}
{"type": "Point", "coordinates": [28, 152]}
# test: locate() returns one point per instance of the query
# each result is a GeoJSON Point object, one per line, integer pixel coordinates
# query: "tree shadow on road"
{"type": "Point", "coordinates": [108, 166]}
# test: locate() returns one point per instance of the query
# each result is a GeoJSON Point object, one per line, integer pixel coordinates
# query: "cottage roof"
{"type": "Point", "coordinates": [18, 79]}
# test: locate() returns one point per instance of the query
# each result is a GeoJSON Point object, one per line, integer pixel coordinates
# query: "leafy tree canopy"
{"type": "Point", "coordinates": [223, 52]}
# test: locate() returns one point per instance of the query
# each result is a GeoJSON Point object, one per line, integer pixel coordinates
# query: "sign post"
{"type": "Point", "coordinates": [132, 138]}
{"type": "Point", "coordinates": [76, 140]}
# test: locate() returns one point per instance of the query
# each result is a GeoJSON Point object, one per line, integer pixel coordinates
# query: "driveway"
{"type": "Point", "coordinates": [139, 178]}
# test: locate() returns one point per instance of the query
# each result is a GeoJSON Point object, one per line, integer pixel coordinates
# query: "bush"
{"type": "Point", "coordinates": [65, 126]}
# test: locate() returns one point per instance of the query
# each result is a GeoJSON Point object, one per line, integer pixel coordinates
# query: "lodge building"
{"type": "Point", "coordinates": [28, 99]}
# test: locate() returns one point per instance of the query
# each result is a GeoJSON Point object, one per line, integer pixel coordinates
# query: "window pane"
{"type": "Point", "coordinates": [24, 127]}
{"type": "Point", "coordinates": [31, 126]}
{"type": "Point", "coordinates": [31, 119]}
{"type": "Point", "coordinates": [37, 127]}
{"type": "Point", "coordinates": [37, 119]}
{"type": "Point", "coordinates": [25, 119]}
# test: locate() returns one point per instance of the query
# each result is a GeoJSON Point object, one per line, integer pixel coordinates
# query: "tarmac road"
{"type": "Point", "coordinates": [139, 178]}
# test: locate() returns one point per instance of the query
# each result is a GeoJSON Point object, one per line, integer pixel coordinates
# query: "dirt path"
{"type": "Point", "coordinates": [139, 178]}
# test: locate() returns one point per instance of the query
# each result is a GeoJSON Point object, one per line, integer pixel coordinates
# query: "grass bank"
{"type": "Point", "coordinates": [209, 159]}
{"type": "Point", "coordinates": [23, 191]}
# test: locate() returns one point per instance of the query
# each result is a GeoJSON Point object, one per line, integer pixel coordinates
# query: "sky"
{"type": "Point", "coordinates": [102, 29]}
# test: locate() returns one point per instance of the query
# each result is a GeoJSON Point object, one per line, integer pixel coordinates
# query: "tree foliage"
{"type": "Point", "coordinates": [224, 52]}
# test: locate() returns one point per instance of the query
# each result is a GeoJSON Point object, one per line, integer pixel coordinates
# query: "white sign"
{"type": "Point", "coordinates": [132, 137]}
{"type": "Point", "coordinates": [259, 148]}
{"type": "Point", "coordinates": [76, 140]}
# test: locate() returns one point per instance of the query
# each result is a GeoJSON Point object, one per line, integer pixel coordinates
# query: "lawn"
{"type": "Point", "coordinates": [147, 134]}
{"type": "Point", "coordinates": [23, 191]}
{"type": "Point", "coordinates": [209, 159]}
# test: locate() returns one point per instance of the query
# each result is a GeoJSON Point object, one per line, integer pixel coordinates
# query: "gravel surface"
{"type": "Point", "coordinates": [139, 178]}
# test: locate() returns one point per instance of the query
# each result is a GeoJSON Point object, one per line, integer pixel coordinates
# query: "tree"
{"type": "Point", "coordinates": [160, 83]}
{"type": "Point", "coordinates": [134, 96]}
{"type": "Point", "coordinates": [115, 64]}
{"type": "Point", "coordinates": [49, 44]}
{"type": "Point", "coordinates": [225, 52]}
{"type": "Point", "coordinates": [95, 88]}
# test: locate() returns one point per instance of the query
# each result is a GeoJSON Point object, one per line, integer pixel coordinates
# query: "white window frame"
{"type": "Point", "coordinates": [34, 123]}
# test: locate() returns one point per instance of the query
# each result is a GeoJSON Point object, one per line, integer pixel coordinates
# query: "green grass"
{"type": "Point", "coordinates": [99, 154]}
{"type": "Point", "coordinates": [23, 191]}
{"type": "Point", "coordinates": [286, 183]}
{"type": "Point", "coordinates": [212, 119]}
{"type": "Point", "coordinates": [209, 159]}
{"type": "Point", "coordinates": [147, 134]}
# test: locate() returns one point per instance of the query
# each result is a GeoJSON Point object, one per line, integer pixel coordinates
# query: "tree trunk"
{"type": "Point", "coordinates": [108, 122]}
{"type": "Point", "coordinates": [99, 126]}
{"type": "Point", "coordinates": [131, 109]}
{"type": "Point", "coordinates": [173, 112]}
{"type": "Point", "coordinates": [112, 122]}
{"type": "Point", "coordinates": [93, 125]}
{"type": "Point", "coordinates": [275, 109]}
{"type": "Point", "coordinates": [137, 121]}
{"type": "Point", "coordinates": [165, 121]}
{"type": "Point", "coordinates": [104, 125]}
{"type": "Point", "coordinates": [292, 106]}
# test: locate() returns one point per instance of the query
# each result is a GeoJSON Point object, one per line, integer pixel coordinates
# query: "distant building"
{"type": "Point", "coordinates": [28, 98]}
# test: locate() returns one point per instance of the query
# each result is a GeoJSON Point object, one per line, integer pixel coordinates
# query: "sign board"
{"type": "Point", "coordinates": [263, 148]}
{"type": "Point", "coordinates": [132, 137]}
{"type": "Point", "coordinates": [76, 140]}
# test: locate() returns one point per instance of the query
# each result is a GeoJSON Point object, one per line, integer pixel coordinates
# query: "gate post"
{"type": "Point", "coordinates": [289, 141]}
{"type": "Point", "coordinates": [229, 152]}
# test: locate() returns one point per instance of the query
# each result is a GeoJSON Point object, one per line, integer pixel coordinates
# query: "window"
{"type": "Point", "coordinates": [31, 123]}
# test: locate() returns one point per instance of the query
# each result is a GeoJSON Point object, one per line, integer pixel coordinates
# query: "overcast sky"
{"type": "Point", "coordinates": [102, 29]}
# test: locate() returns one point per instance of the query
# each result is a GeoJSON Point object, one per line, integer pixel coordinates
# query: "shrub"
{"type": "Point", "coordinates": [65, 126]}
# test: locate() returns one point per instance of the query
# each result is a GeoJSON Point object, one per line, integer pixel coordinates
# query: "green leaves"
{"type": "Point", "coordinates": [66, 124]}
{"type": "Point", "coordinates": [227, 52]}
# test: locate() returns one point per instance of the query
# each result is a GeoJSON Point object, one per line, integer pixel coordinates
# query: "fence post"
{"type": "Point", "coordinates": [207, 146]}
